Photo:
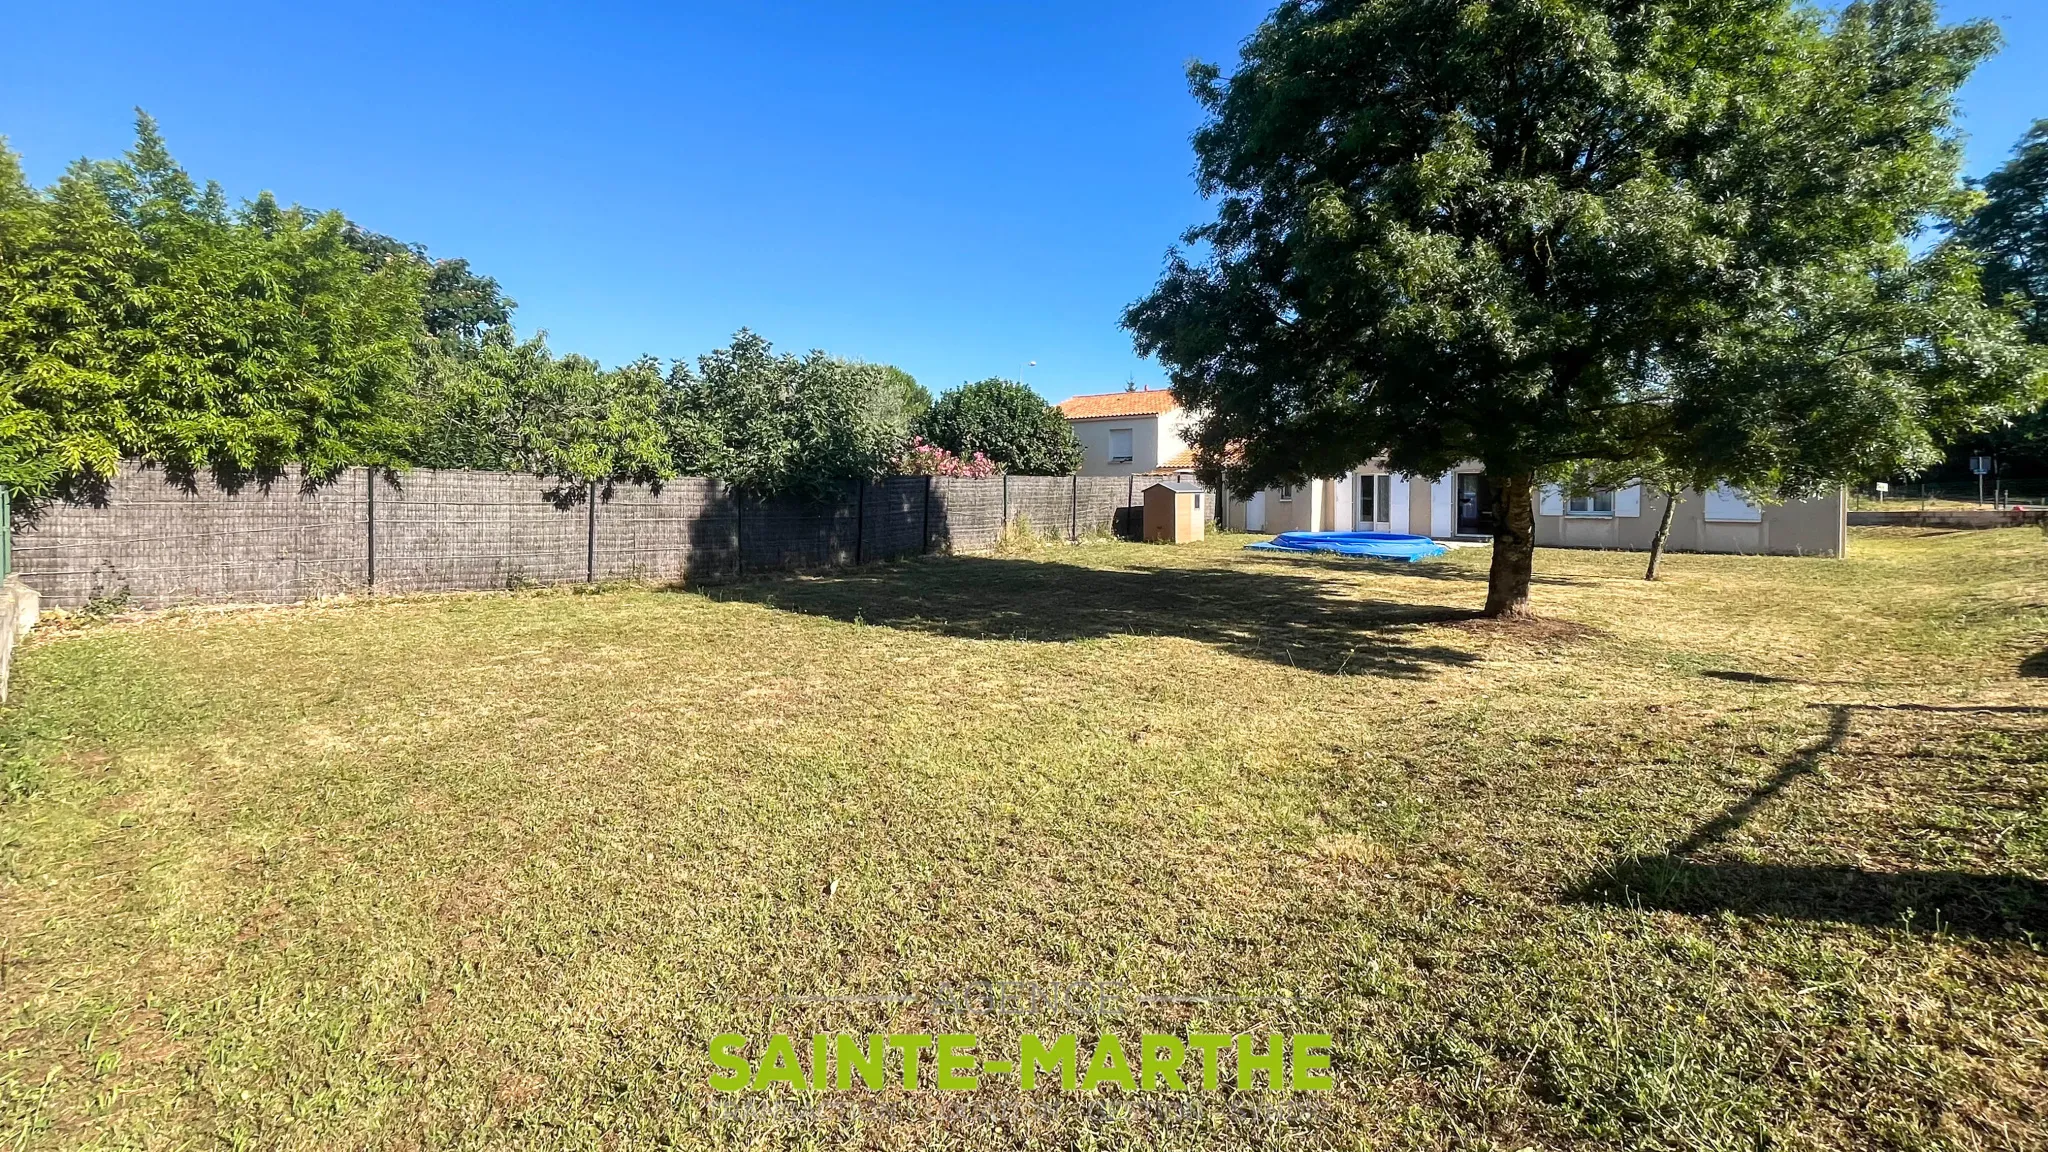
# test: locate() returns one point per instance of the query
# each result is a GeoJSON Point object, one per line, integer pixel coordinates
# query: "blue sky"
{"type": "Point", "coordinates": [954, 188]}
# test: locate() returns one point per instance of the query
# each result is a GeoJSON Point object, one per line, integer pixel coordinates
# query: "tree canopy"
{"type": "Point", "coordinates": [1583, 236]}
{"type": "Point", "coordinates": [2010, 235]}
{"type": "Point", "coordinates": [141, 317]}
{"type": "Point", "coordinates": [1007, 422]}
{"type": "Point", "coordinates": [781, 425]}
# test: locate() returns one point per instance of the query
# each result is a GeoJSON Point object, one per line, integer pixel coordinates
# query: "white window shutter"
{"type": "Point", "coordinates": [1550, 502]}
{"type": "Point", "coordinates": [1629, 501]}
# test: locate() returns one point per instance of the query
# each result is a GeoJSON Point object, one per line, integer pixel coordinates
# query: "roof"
{"type": "Point", "coordinates": [1113, 404]}
{"type": "Point", "coordinates": [1181, 461]}
{"type": "Point", "coordinates": [1176, 486]}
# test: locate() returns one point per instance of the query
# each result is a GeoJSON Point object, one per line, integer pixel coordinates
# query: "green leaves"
{"type": "Point", "coordinates": [139, 317]}
{"type": "Point", "coordinates": [783, 425]}
{"type": "Point", "coordinates": [1007, 422]}
{"type": "Point", "coordinates": [1569, 235]}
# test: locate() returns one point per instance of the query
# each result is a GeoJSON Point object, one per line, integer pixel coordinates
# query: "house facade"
{"type": "Point", "coordinates": [1135, 433]}
{"type": "Point", "coordinates": [1459, 504]}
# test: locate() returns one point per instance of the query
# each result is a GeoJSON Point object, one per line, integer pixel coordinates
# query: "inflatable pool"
{"type": "Point", "coordinates": [1374, 545]}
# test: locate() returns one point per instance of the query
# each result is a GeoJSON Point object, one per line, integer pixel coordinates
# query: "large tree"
{"type": "Point", "coordinates": [2010, 234]}
{"type": "Point", "coordinates": [140, 316]}
{"type": "Point", "coordinates": [1007, 422]}
{"type": "Point", "coordinates": [1582, 237]}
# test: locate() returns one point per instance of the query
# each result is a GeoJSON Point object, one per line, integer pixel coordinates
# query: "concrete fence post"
{"type": "Point", "coordinates": [1006, 505]}
{"type": "Point", "coordinates": [925, 541]}
{"type": "Point", "coordinates": [590, 537]}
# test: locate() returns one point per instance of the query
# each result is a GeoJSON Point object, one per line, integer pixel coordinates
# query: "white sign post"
{"type": "Point", "coordinates": [1981, 465]}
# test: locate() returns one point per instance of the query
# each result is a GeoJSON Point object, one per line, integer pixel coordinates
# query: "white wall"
{"type": "Point", "coordinates": [1146, 439]}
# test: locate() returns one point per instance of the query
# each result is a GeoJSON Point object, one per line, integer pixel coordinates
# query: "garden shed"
{"type": "Point", "coordinates": [1174, 512]}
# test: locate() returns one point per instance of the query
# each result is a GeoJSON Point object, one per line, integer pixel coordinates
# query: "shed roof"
{"type": "Point", "coordinates": [1176, 486]}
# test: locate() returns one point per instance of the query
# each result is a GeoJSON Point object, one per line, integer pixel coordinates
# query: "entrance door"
{"type": "Point", "coordinates": [1375, 503]}
{"type": "Point", "coordinates": [1475, 505]}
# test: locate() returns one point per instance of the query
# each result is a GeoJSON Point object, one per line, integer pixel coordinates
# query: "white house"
{"type": "Point", "coordinates": [1460, 504]}
{"type": "Point", "coordinates": [1129, 433]}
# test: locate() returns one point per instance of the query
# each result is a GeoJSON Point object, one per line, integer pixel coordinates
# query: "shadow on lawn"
{"type": "Point", "coordinates": [1286, 619]}
{"type": "Point", "coordinates": [1999, 906]}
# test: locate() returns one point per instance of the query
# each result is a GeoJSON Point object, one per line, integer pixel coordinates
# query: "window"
{"type": "Point", "coordinates": [1119, 445]}
{"type": "Point", "coordinates": [1198, 501]}
{"type": "Point", "coordinates": [1597, 504]}
{"type": "Point", "coordinates": [1287, 495]}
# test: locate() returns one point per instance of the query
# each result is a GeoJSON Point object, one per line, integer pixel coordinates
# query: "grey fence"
{"type": "Point", "coordinates": [151, 541]}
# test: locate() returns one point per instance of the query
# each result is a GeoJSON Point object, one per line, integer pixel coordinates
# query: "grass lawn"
{"type": "Point", "coordinates": [1751, 857]}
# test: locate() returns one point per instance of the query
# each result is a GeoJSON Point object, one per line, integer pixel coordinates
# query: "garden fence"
{"type": "Point", "coordinates": [149, 541]}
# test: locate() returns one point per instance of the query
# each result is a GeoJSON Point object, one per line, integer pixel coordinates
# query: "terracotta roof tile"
{"type": "Point", "coordinates": [1118, 404]}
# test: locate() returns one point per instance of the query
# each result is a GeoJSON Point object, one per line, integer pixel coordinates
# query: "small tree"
{"type": "Point", "coordinates": [1550, 235]}
{"type": "Point", "coordinates": [1007, 422]}
{"type": "Point", "coordinates": [784, 425]}
{"type": "Point", "coordinates": [519, 408]}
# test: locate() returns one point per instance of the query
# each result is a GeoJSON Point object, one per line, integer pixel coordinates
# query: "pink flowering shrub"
{"type": "Point", "coordinates": [924, 458]}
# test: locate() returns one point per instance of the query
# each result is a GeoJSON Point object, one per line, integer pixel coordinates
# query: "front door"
{"type": "Point", "coordinates": [1375, 513]}
{"type": "Point", "coordinates": [1475, 505]}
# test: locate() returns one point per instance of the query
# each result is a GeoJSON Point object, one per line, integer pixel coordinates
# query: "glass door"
{"type": "Point", "coordinates": [1375, 499]}
{"type": "Point", "coordinates": [1475, 505]}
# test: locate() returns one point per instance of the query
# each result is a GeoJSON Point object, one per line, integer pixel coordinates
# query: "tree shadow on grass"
{"type": "Point", "coordinates": [1988, 906]}
{"type": "Point", "coordinates": [2035, 667]}
{"type": "Point", "coordinates": [1420, 570]}
{"type": "Point", "coordinates": [1287, 619]}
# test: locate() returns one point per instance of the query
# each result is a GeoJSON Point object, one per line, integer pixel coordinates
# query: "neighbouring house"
{"type": "Point", "coordinates": [1459, 504]}
{"type": "Point", "coordinates": [1133, 433]}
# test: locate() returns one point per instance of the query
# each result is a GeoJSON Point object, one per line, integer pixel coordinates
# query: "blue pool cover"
{"type": "Point", "coordinates": [1376, 545]}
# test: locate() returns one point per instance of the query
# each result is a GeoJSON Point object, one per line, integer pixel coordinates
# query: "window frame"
{"type": "Point", "coordinates": [1130, 446]}
{"type": "Point", "coordinates": [1592, 500]}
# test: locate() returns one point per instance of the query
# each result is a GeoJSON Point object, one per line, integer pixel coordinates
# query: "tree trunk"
{"type": "Point", "coordinates": [1514, 548]}
{"type": "Point", "coordinates": [1663, 534]}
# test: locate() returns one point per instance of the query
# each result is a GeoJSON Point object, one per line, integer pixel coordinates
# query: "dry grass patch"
{"type": "Point", "coordinates": [1750, 856]}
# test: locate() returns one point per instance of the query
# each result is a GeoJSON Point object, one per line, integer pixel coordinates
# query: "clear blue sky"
{"type": "Point", "coordinates": [953, 188]}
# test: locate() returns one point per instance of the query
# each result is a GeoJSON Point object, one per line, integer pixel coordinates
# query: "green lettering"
{"type": "Point", "coordinates": [1159, 1059]}
{"type": "Point", "coordinates": [957, 1063]}
{"type": "Point", "coordinates": [873, 1065]}
{"type": "Point", "coordinates": [1311, 1060]}
{"type": "Point", "coordinates": [911, 1044]}
{"type": "Point", "coordinates": [1270, 1062]}
{"type": "Point", "coordinates": [1109, 1065]}
{"type": "Point", "coordinates": [1031, 1057]}
{"type": "Point", "coordinates": [778, 1065]}
{"type": "Point", "coordinates": [724, 1055]}
{"type": "Point", "coordinates": [1210, 1045]}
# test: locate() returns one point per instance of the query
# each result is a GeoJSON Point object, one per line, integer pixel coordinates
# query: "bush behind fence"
{"type": "Point", "coordinates": [155, 543]}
